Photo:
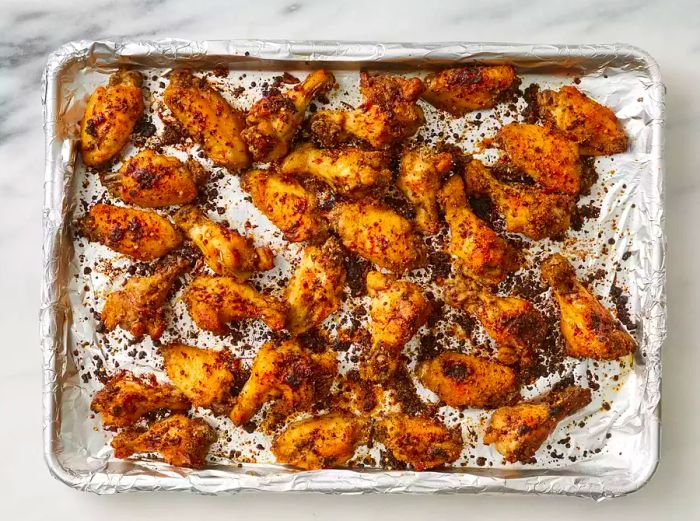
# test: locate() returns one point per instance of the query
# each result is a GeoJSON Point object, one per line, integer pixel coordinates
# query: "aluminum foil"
{"type": "Point", "coordinates": [609, 449]}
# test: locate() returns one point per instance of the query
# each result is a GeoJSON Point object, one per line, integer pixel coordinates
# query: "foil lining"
{"type": "Point", "coordinates": [616, 450]}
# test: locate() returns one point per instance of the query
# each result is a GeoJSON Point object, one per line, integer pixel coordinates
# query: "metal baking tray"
{"type": "Point", "coordinates": [622, 431]}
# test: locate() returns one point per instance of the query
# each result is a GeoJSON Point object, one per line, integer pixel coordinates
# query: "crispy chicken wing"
{"type": "Point", "coordinates": [183, 442]}
{"type": "Point", "coordinates": [378, 234]}
{"type": "Point", "coordinates": [225, 251]}
{"type": "Point", "coordinates": [142, 235]}
{"type": "Point", "coordinates": [419, 179]}
{"type": "Point", "coordinates": [110, 117]}
{"type": "Point", "coordinates": [519, 430]}
{"type": "Point", "coordinates": [288, 374]}
{"type": "Point", "coordinates": [462, 89]}
{"type": "Point", "coordinates": [593, 126]}
{"type": "Point", "coordinates": [273, 121]}
{"type": "Point", "coordinates": [126, 398]}
{"type": "Point", "coordinates": [208, 118]}
{"type": "Point", "coordinates": [589, 330]}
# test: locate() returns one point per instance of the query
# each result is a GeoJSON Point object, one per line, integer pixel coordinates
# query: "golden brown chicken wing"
{"type": "Point", "coordinates": [462, 89]}
{"type": "Point", "coordinates": [225, 251]}
{"type": "Point", "coordinates": [589, 330]}
{"type": "Point", "coordinates": [322, 442]}
{"type": "Point", "coordinates": [208, 118]}
{"type": "Point", "coordinates": [273, 121]}
{"type": "Point", "coordinates": [419, 180]}
{"type": "Point", "coordinates": [286, 373]}
{"type": "Point", "coordinates": [126, 398]}
{"type": "Point", "coordinates": [142, 235]}
{"type": "Point", "coordinates": [593, 126]}
{"type": "Point", "coordinates": [110, 116]}
{"type": "Point", "coordinates": [183, 442]}
{"type": "Point", "coordinates": [519, 430]}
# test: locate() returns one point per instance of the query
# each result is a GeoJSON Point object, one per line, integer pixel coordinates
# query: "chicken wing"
{"type": "Point", "coordinates": [181, 441]}
{"type": "Point", "coordinates": [126, 398]}
{"type": "Point", "coordinates": [273, 121]}
{"type": "Point", "coordinates": [316, 286]}
{"type": "Point", "coordinates": [110, 117]}
{"type": "Point", "coordinates": [142, 235]}
{"type": "Point", "coordinates": [378, 234]}
{"type": "Point", "coordinates": [589, 330]}
{"type": "Point", "coordinates": [397, 310]}
{"type": "Point", "coordinates": [462, 89]}
{"type": "Point", "coordinates": [419, 179]}
{"type": "Point", "coordinates": [287, 373]}
{"type": "Point", "coordinates": [519, 430]}
{"type": "Point", "coordinates": [593, 126]}
{"type": "Point", "coordinates": [478, 250]}
{"type": "Point", "coordinates": [208, 118]}
{"type": "Point", "coordinates": [138, 308]}
{"type": "Point", "coordinates": [225, 251]}
{"type": "Point", "coordinates": [322, 442]}
{"type": "Point", "coordinates": [422, 442]}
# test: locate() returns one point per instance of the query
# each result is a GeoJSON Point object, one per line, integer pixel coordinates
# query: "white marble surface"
{"type": "Point", "coordinates": [30, 29]}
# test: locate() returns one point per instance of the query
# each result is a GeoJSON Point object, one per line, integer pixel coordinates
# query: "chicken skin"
{"type": "Point", "coordinates": [397, 310]}
{"type": "Point", "coordinates": [208, 119]}
{"type": "Point", "coordinates": [225, 251]}
{"type": "Point", "coordinates": [274, 120]}
{"type": "Point", "coordinates": [316, 286]}
{"type": "Point", "coordinates": [348, 171]}
{"type": "Point", "coordinates": [388, 115]}
{"type": "Point", "coordinates": [419, 180]}
{"type": "Point", "coordinates": [593, 126]}
{"type": "Point", "coordinates": [478, 250]}
{"type": "Point", "coordinates": [588, 328]}
{"type": "Point", "coordinates": [126, 398]}
{"type": "Point", "coordinates": [183, 442]}
{"type": "Point", "coordinates": [141, 235]}
{"type": "Point", "coordinates": [468, 381]}
{"type": "Point", "coordinates": [378, 234]}
{"type": "Point", "coordinates": [519, 430]}
{"type": "Point", "coordinates": [322, 442]}
{"type": "Point", "coordinates": [527, 210]}
{"type": "Point", "coordinates": [293, 377]}
{"type": "Point", "coordinates": [110, 117]}
{"type": "Point", "coordinates": [421, 442]}
{"type": "Point", "coordinates": [215, 301]}
{"type": "Point", "coordinates": [462, 89]}
{"type": "Point", "coordinates": [138, 307]}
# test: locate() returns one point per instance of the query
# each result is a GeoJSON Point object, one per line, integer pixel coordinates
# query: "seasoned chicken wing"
{"type": "Point", "coordinates": [183, 442]}
{"type": "Point", "coordinates": [419, 180]}
{"type": "Point", "coordinates": [588, 328]}
{"type": "Point", "coordinates": [478, 250]}
{"type": "Point", "coordinates": [378, 234]}
{"type": "Point", "coordinates": [348, 171]}
{"type": "Point", "coordinates": [316, 286]}
{"type": "Point", "coordinates": [138, 307]}
{"type": "Point", "coordinates": [286, 373]}
{"type": "Point", "coordinates": [208, 118]}
{"type": "Point", "coordinates": [322, 442]}
{"type": "Point", "coordinates": [110, 117]}
{"type": "Point", "coordinates": [593, 126]}
{"type": "Point", "coordinates": [462, 89]}
{"type": "Point", "coordinates": [421, 442]}
{"type": "Point", "coordinates": [225, 251]}
{"type": "Point", "coordinates": [142, 235]}
{"type": "Point", "coordinates": [215, 301]}
{"type": "Point", "coordinates": [273, 121]}
{"type": "Point", "coordinates": [126, 398]}
{"type": "Point", "coordinates": [397, 310]}
{"type": "Point", "coordinates": [519, 430]}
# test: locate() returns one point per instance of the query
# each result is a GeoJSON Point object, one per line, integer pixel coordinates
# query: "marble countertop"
{"type": "Point", "coordinates": [30, 29]}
